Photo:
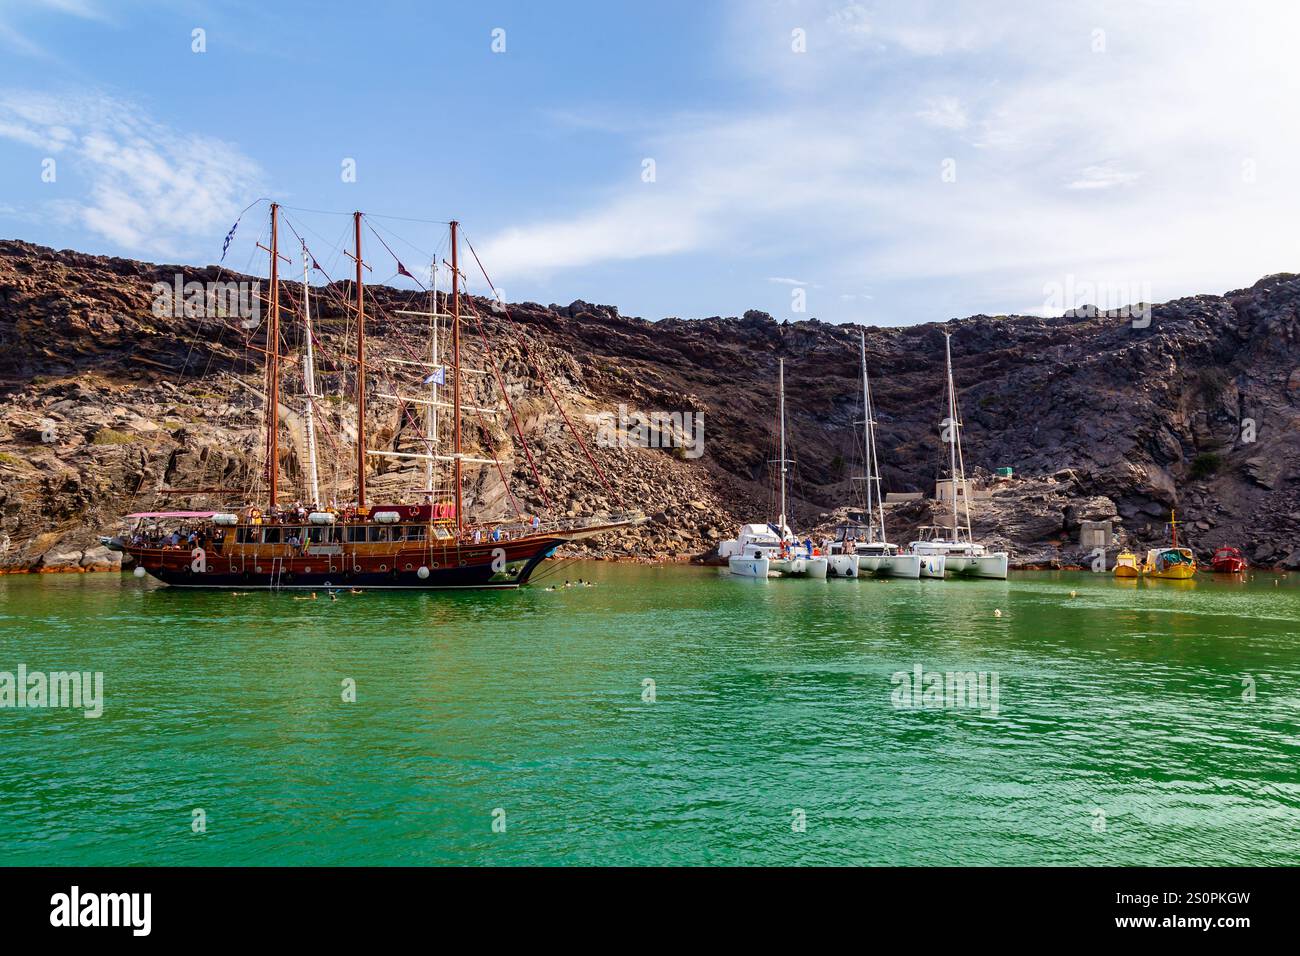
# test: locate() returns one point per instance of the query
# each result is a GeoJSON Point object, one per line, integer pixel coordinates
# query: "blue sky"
{"type": "Point", "coordinates": [885, 162]}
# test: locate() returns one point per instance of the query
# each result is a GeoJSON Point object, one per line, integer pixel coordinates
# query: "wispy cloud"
{"type": "Point", "coordinates": [1103, 176]}
{"type": "Point", "coordinates": [149, 188]}
{"type": "Point", "coordinates": [945, 112]}
{"type": "Point", "coordinates": [1141, 136]}
{"type": "Point", "coordinates": [16, 41]}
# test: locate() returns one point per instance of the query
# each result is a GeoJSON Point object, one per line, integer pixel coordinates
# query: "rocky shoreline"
{"type": "Point", "coordinates": [105, 405]}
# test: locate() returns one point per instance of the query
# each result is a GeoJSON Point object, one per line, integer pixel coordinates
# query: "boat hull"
{"type": "Point", "coordinates": [800, 567]}
{"type": "Point", "coordinates": [1126, 571]}
{"type": "Point", "coordinates": [500, 565]}
{"type": "Point", "coordinates": [931, 565]}
{"type": "Point", "coordinates": [893, 565]}
{"type": "Point", "coordinates": [977, 565]}
{"type": "Point", "coordinates": [1229, 566]}
{"type": "Point", "coordinates": [901, 566]}
{"type": "Point", "coordinates": [843, 566]}
{"type": "Point", "coordinates": [1181, 572]}
{"type": "Point", "coordinates": [749, 567]}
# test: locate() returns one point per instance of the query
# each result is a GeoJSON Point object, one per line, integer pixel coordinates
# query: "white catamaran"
{"type": "Point", "coordinates": [962, 556]}
{"type": "Point", "coordinates": [763, 550]}
{"type": "Point", "coordinates": [866, 547]}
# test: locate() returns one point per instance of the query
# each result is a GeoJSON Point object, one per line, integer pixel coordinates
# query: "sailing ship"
{"type": "Point", "coordinates": [865, 547]}
{"type": "Point", "coordinates": [1173, 563]}
{"type": "Point", "coordinates": [765, 550]}
{"type": "Point", "coordinates": [424, 544]}
{"type": "Point", "coordinates": [962, 555]}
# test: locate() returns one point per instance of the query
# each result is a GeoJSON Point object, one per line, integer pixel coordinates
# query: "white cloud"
{"type": "Point", "coordinates": [151, 189]}
{"type": "Point", "coordinates": [1150, 138]}
{"type": "Point", "coordinates": [945, 112]}
{"type": "Point", "coordinates": [1103, 176]}
{"type": "Point", "coordinates": [18, 42]}
{"type": "Point", "coordinates": [781, 280]}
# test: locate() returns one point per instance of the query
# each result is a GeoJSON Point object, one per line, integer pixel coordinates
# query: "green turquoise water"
{"type": "Point", "coordinates": [1125, 731]}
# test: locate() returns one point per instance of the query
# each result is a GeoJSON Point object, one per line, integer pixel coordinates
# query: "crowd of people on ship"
{"type": "Point", "coordinates": [296, 517]}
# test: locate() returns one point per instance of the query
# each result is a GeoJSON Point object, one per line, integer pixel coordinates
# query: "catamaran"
{"type": "Point", "coordinates": [766, 550]}
{"type": "Point", "coordinates": [864, 547]}
{"type": "Point", "coordinates": [423, 544]}
{"type": "Point", "coordinates": [962, 555]}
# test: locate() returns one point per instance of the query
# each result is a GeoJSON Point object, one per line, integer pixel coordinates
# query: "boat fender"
{"type": "Point", "coordinates": [387, 517]}
{"type": "Point", "coordinates": [225, 520]}
{"type": "Point", "coordinates": [423, 573]}
{"type": "Point", "coordinates": [321, 517]}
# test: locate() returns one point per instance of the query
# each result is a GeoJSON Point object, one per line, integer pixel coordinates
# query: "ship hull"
{"type": "Point", "coordinates": [497, 566]}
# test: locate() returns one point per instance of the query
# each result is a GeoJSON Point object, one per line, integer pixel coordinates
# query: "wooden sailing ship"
{"type": "Point", "coordinates": [363, 543]}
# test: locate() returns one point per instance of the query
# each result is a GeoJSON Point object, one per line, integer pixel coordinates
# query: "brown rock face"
{"type": "Point", "coordinates": [103, 404]}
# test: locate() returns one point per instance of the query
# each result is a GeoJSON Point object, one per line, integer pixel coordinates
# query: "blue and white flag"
{"type": "Point", "coordinates": [437, 377]}
{"type": "Point", "coordinates": [230, 235]}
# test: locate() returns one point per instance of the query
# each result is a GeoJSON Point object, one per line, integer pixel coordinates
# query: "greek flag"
{"type": "Point", "coordinates": [438, 377]}
{"type": "Point", "coordinates": [229, 236]}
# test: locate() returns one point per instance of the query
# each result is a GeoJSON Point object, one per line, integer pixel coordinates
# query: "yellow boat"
{"type": "Point", "coordinates": [1126, 565]}
{"type": "Point", "coordinates": [1172, 563]}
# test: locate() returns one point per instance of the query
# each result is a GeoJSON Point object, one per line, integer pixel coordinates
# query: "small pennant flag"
{"type": "Point", "coordinates": [316, 265]}
{"type": "Point", "coordinates": [229, 236]}
{"type": "Point", "coordinates": [438, 377]}
{"type": "Point", "coordinates": [401, 270]}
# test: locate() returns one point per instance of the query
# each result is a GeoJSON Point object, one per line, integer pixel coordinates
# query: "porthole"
{"type": "Point", "coordinates": [410, 567]}
{"type": "Point", "coordinates": [383, 567]}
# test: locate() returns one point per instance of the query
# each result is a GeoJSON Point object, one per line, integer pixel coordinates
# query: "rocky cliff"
{"type": "Point", "coordinates": [108, 407]}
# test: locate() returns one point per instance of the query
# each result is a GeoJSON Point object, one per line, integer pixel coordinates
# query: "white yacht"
{"type": "Point", "coordinates": [866, 541]}
{"type": "Point", "coordinates": [961, 555]}
{"type": "Point", "coordinates": [772, 550]}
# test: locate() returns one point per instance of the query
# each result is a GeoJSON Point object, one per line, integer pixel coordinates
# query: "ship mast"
{"type": "Point", "coordinates": [309, 384]}
{"type": "Point", "coordinates": [431, 411]}
{"type": "Point", "coordinates": [273, 368]}
{"type": "Point", "coordinates": [455, 382]}
{"type": "Point", "coordinates": [361, 370]}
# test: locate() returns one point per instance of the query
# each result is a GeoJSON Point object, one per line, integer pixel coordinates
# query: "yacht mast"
{"type": "Point", "coordinates": [309, 384]}
{"type": "Point", "coordinates": [866, 425]}
{"type": "Point", "coordinates": [781, 387]}
{"type": "Point", "coordinates": [455, 382]}
{"type": "Point", "coordinates": [873, 460]}
{"type": "Point", "coordinates": [953, 427]}
{"type": "Point", "coordinates": [273, 367]}
{"type": "Point", "coordinates": [361, 369]}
